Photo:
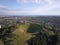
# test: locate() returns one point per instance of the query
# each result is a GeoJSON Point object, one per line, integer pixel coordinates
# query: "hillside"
{"type": "Point", "coordinates": [21, 33]}
{"type": "Point", "coordinates": [29, 31]}
{"type": "Point", "coordinates": [29, 34]}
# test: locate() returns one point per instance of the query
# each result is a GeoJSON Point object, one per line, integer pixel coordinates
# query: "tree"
{"type": "Point", "coordinates": [6, 35]}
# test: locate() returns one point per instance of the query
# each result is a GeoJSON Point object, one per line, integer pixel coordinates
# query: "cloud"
{"type": "Point", "coordinates": [36, 1]}
{"type": "Point", "coordinates": [28, 1]}
{"type": "Point", "coordinates": [45, 10]}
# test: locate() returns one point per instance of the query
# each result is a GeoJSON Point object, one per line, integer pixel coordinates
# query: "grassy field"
{"type": "Point", "coordinates": [21, 34]}
{"type": "Point", "coordinates": [1, 43]}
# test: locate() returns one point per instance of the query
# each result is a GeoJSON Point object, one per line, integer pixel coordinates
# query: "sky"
{"type": "Point", "coordinates": [30, 7]}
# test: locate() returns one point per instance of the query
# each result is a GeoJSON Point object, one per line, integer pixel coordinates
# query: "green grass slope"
{"type": "Point", "coordinates": [21, 34]}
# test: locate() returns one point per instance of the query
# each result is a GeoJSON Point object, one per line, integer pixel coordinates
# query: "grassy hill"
{"type": "Point", "coordinates": [21, 33]}
{"type": "Point", "coordinates": [25, 31]}
{"type": "Point", "coordinates": [32, 31]}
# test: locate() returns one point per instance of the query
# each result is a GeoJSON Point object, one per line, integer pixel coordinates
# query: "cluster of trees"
{"type": "Point", "coordinates": [43, 39]}
{"type": "Point", "coordinates": [6, 35]}
{"type": "Point", "coordinates": [46, 36]}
